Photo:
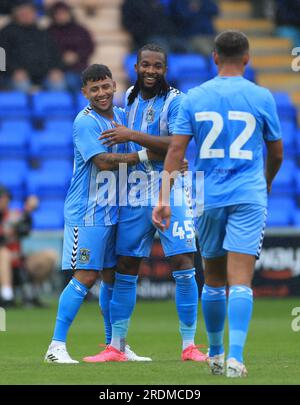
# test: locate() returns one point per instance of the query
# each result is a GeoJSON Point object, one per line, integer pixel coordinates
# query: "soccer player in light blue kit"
{"type": "Point", "coordinates": [91, 210]}
{"type": "Point", "coordinates": [230, 118]}
{"type": "Point", "coordinates": [151, 107]}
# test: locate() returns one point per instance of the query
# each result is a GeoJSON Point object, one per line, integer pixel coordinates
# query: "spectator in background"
{"type": "Point", "coordinates": [74, 42]}
{"type": "Point", "coordinates": [147, 22]}
{"type": "Point", "coordinates": [287, 17]}
{"type": "Point", "coordinates": [32, 57]}
{"type": "Point", "coordinates": [15, 269]}
{"type": "Point", "coordinates": [194, 22]}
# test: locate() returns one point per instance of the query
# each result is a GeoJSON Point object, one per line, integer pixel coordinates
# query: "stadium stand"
{"type": "Point", "coordinates": [36, 130]}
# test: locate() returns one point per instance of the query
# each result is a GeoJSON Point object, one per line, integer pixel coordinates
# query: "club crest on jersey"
{"type": "Point", "coordinates": [150, 115]}
{"type": "Point", "coordinates": [84, 255]}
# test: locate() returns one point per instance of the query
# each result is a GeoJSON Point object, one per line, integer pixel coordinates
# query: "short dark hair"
{"type": "Point", "coordinates": [94, 73]}
{"type": "Point", "coordinates": [152, 48]}
{"type": "Point", "coordinates": [231, 44]}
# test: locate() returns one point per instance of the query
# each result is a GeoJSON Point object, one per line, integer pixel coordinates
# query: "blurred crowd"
{"type": "Point", "coordinates": [52, 57]}
{"type": "Point", "coordinates": [21, 274]}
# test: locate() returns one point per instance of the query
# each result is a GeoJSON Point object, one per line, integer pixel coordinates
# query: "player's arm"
{"type": "Point", "coordinates": [274, 160]}
{"type": "Point", "coordinates": [111, 161]}
{"type": "Point", "coordinates": [122, 134]}
{"type": "Point", "coordinates": [272, 137]}
{"type": "Point", "coordinates": [172, 167]}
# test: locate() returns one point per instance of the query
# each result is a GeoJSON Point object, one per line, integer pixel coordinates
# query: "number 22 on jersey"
{"type": "Point", "coordinates": [235, 152]}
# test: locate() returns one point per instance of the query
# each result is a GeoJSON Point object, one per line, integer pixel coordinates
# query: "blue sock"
{"type": "Point", "coordinates": [69, 303]}
{"type": "Point", "coordinates": [239, 314]}
{"type": "Point", "coordinates": [121, 307]}
{"type": "Point", "coordinates": [105, 295]}
{"type": "Point", "coordinates": [186, 298]}
{"type": "Point", "coordinates": [214, 313]}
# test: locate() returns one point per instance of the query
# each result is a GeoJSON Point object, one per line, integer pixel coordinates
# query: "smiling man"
{"type": "Point", "coordinates": [151, 108]}
{"type": "Point", "coordinates": [90, 218]}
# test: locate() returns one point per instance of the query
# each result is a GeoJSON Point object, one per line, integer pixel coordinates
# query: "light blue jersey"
{"type": "Point", "coordinates": [136, 231]}
{"type": "Point", "coordinates": [230, 117]}
{"type": "Point", "coordinates": [85, 202]}
{"type": "Point", "coordinates": [157, 117]}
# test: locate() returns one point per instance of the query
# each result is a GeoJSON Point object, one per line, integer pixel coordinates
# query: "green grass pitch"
{"type": "Point", "coordinates": [272, 352]}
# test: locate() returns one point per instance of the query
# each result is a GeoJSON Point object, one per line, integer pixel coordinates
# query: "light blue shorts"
{"type": "Point", "coordinates": [89, 247]}
{"type": "Point", "coordinates": [136, 232]}
{"type": "Point", "coordinates": [236, 228]}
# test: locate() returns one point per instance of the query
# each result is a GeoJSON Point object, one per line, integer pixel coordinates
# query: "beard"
{"type": "Point", "coordinates": [153, 90]}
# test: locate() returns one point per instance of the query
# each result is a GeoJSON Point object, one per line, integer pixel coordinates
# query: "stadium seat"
{"type": "Point", "coordinates": [129, 63]}
{"type": "Point", "coordinates": [14, 105]}
{"type": "Point", "coordinates": [280, 211]}
{"type": "Point", "coordinates": [13, 145]}
{"type": "Point", "coordinates": [44, 184]}
{"type": "Point", "coordinates": [58, 125]}
{"type": "Point", "coordinates": [187, 67]}
{"type": "Point", "coordinates": [48, 219]}
{"type": "Point", "coordinates": [52, 205]}
{"type": "Point", "coordinates": [289, 135]}
{"type": "Point", "coordinates": [285, 179]}
{"type": "Point", "coordinates": [17, 126]}
{"type": "Point", "coordinates": [53, 104]}
{"type": "Point", "coordinates": [51, 145]}
{"type": "Point", "coordinates": [15, 182]}
{"type": "Point", "coordinates": [249, 71]}
{"type": "Point", "coordinates": [58, 166]}
{"type": "Point", "coordinates": [296, 218]}
{"type": "Point", "coordinates": [285, 107]}
{"type": "Point", "coordinates": [81, 102]}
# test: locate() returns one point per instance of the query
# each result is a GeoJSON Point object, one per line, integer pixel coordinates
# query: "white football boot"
{"type": "Point", "coordinates": [131, 356]}
{"type": "Point", "coordinates": [235, 369]}
{"type": "Point", "coordinates": [59, 354]}
{"type": "Point", "coordinates": [217, 364]}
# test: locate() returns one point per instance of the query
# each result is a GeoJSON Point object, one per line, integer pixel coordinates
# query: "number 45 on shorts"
{"type": "Point", "coordinates": [183, 232]}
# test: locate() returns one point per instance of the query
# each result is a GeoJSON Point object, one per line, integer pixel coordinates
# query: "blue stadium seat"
{"type": "Point", "coordinates": [58, 166]}
{"type": "Point", "coordinates": [17, 126]}
{"type": "Point", "coordinates": [15, 182]}
{"type": "Point", "coordinates": [285, 179]}
{"type": "Point", "coordinates": [285, 107]}
{"type": "Point", "coordinates": [46, 185]}
{"type": "Point", "coordinates": [46, 219]}
{"type": "Point", "coordinates": [19, 166]}
{"type": "Point", "coordinates": [51, 145]}
{"type": "Point", "coordinates": [52, 205]}
{"type": "Point", "coordinates": [14, 105]}
{"type": "Point", "coordinates": [187, 67]}
{"type": "Point", "coordinates": [81, 102]}
{"type": "Point", "coordinates": [280, 211]}
{"type": "Point", "coordinates": [53, 104]}
{"type": "Point", "coordinates": [59, 125]}
{"type": "Point", "coordinates": [129, 63]}
{"type": "Point", "coordinates": [249, 71]}
{"type": "Point", "coordinates": [13, 145]}
{"type": "Point", "coordinates": [289, 137]}
{"type": "Point", "coordinates": [296, 218]}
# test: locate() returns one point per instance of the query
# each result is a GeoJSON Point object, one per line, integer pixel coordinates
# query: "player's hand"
{"type": "Point", "coordinates": [161, 216]}
{"type": "Point", "coordinates": [114, 136]}
{"type": "Point", "coordinates": [184, 166]}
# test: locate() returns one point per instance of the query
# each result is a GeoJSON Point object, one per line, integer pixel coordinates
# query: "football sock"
{"type": "Point", "coordinates": [214, 313]}
{"type": "Point", "coordinates": [240, 305]}
{"type": "Point", "coordinates": [186, 298]}
{"type": "Point", "coordinates": [105, 295]}
{"type": "Point", "coordinates": [69, 303]}
{"type": "Point", "coordinates": [121, 307]}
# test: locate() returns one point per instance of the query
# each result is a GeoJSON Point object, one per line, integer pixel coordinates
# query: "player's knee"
{"type": "Point", "coordinates": [128, 265]}
{"type": "Point", "coordinates": [88, 278]}
{"type": "Point", "coordinates": [108, 276]}
{"type": "Point", "coordinates": [182, 262]}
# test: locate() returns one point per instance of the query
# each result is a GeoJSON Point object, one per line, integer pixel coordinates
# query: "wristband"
{"type": "Point", "coordinates": [143, 156]}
